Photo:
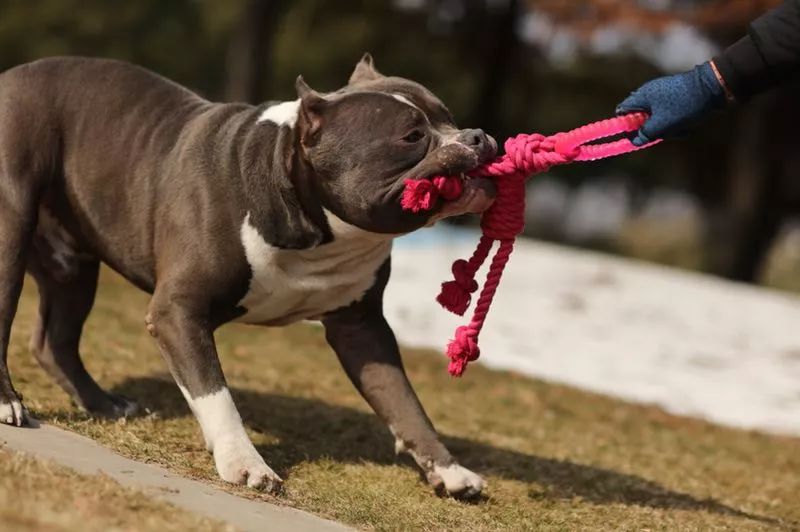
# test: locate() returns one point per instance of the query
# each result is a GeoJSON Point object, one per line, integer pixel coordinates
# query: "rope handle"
{"type": "Point", "coordinates": [578, 139]}
{"type": "Point", "coordinates": [504, 220]}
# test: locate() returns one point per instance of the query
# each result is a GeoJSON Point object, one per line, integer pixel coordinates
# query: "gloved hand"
{"type": "Point", "coordinates": [674, 102]}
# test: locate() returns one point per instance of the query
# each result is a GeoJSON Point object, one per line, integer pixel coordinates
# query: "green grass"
{"type": "Point", "coordinates": [555, 457]}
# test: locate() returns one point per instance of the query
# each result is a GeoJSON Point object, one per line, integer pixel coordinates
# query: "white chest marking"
{"type": "Point", "coordinates": [281, 114]}
{"type": "Point", "coordinates": [291, 285]}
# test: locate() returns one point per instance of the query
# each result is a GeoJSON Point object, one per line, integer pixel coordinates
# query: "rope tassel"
{"type": "Point", "coordinates": [525, 155]}
{"type": "Point", "coordinates": [456, 295]}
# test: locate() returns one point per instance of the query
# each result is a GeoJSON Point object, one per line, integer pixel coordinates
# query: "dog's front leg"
{"type": "Point", "coordinates": [187, 342]}
{"type": "Point", "coordinates": [368, 351]}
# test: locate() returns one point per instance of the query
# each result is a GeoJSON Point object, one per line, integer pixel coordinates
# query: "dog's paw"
{"type": "Point", "coordinates": [240, 463]}
{"type": "Point", "coordinates": [456, 481]}
{"type": "Point", "coordinates": [122, 406]}
{"type": "Point", "coordinates": [13, 412]}
{"type": "Point", "coordinates": [112, 406]}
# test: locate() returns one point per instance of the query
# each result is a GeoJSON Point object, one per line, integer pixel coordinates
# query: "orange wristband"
{"type": "Point", "coordinates": [728, 94]}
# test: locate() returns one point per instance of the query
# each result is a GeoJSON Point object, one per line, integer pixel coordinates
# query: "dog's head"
{"type": "Point", "coordinates": [363, 141]}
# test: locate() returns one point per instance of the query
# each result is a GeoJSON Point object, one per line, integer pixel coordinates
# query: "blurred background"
{"type": "Point", "coordinates": [724, 200]}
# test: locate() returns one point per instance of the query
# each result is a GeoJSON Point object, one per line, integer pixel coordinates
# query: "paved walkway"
{"type": "Point", "coordinates": [86, 456]}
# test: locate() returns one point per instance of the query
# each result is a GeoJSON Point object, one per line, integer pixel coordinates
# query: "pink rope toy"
{"type": "Point", "coordinates": [504, 220]}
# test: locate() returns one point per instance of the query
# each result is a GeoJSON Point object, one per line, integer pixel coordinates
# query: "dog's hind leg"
{"type": "Point", "coordinates": [368, 351]}
{"type": "Point", "coordinates": [17, 221]}
{"type": "Point", "coordinates": [64, 306]}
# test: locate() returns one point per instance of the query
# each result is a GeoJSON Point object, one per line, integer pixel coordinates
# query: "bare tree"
{"type": "Point", "coordinates": [498, 63]}
{"type": "Point", "coordinates": [249, 52]}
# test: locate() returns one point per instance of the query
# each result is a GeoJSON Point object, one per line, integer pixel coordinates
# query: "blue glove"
{"type": "Point", "coordinates": [674, 102]}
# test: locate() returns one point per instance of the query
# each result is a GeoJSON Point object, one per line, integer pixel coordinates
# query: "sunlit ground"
{"type": "Point", "coordinates": [554, 457]}
{"type": "Point", "coordinates": [37, 495]}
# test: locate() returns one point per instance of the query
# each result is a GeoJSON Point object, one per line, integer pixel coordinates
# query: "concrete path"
{"type": "Point", "coordinates": [86, 456]}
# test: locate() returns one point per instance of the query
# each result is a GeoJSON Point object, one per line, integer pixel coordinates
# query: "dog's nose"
{"type": "Point", "coordinates": [479, 141]}
{"type": "Point", "coordinates": [474, 138]}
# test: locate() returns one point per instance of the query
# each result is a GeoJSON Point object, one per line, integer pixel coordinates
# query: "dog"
{"type": "Point", "coordinates": [266, 215]}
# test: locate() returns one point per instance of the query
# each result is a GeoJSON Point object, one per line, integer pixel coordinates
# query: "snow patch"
{"type": "Point", "coordinates": [693, 344]}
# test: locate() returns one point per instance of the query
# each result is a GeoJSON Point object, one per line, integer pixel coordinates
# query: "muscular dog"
{"type": "Point", "coordinates": [264, 214]}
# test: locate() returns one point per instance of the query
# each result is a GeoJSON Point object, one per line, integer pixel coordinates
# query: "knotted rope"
{"type": "Point", "coordinates": [524, 156]}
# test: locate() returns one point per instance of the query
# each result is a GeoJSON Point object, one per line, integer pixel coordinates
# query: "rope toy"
{"type": "Point", "coordinates": [524, 156]}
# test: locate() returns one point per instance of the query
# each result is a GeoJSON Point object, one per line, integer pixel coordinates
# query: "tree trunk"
{"type": "Point", "coordinates": [250, 49]}
{"type": "Point", "coordinates": [498, 61]}
{"type": "Point", "coordinates": [777, 187]}
{"type": "Point", "coordinates": [762, 186]}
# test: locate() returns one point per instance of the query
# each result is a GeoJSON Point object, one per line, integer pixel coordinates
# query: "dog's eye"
{"type": "Point", "coordinates": [414, 136]}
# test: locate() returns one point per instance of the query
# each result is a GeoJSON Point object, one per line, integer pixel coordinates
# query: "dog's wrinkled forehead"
{"type": "Point", "coordinates": [416, 96]}
{"type": "Point", "coordinates": [366, 77]}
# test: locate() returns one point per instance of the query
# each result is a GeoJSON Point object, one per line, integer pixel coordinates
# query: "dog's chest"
{"type": "Point", "coordinates": [292, 285]}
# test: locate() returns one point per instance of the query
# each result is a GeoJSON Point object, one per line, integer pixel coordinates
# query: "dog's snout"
{"type": "Point", "coordinates": [474, 138]}
{"type": "Point", "coordinates": [484, 145]}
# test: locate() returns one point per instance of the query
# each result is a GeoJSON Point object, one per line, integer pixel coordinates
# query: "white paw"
{"type": "Point", "coordinates": [238, 462]}
{"type": "Point", "coordinates": [13, 413]}
{"type": "Point", "coordinates": [458, 481]}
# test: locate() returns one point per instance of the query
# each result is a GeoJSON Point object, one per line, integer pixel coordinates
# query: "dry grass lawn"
{"type": "Point", "coordinates": [41, 496]}
{"type": "Point", "coordinates": [555, 457]}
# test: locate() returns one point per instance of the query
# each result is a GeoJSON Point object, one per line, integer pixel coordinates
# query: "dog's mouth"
{"type": "Point", "coordinates": [478, 192]}
{"type": "Point", "coordinates": [477, 196]}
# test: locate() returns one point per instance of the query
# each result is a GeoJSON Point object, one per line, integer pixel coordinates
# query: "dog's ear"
{"type": "Point", "coordinates": [291, 216]}
{"type": "Point", "coordinates": [312, 106]}
{"type": "Point", "coordinates": [365, 71]}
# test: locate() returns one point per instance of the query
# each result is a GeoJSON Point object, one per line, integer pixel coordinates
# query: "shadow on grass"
{"type": "Point", "coordinates": [309, 429]}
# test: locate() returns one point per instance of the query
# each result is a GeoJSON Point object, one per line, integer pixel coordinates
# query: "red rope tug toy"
{"type": "Point", "coordinates": [524, 156]}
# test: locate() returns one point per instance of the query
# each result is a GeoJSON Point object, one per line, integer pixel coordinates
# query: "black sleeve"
{"type": "Point", "coordinates": [767, 56]}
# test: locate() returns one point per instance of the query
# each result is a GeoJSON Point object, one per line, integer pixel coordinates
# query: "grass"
{"type": "Point", "coordinates": [41, 496]}
{"type": "Point", "coordinates": [555, 457]}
